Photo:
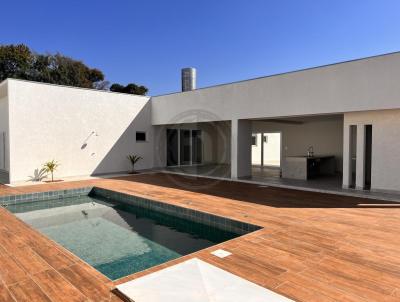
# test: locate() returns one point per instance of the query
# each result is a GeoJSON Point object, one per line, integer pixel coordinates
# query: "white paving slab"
{"type": "Point", "coordinates": [196, 281]}
{"type": "Point", "coordinates": [221, 253]}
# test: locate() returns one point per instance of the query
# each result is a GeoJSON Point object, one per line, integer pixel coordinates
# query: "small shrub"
{"type": "Point", "coordinates": [134, 159]}
{"type": "Point", "coordinates": [50, 167]}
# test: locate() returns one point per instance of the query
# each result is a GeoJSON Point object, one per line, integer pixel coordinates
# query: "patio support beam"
{"type": "Point", "coordinates": [241, 133]}
{"type": "Point", "coordinates": [360, 164]}
{"type": "Point", "coordinates": [346, 157]}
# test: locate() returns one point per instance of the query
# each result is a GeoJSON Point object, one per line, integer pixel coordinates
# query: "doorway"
{"type": "Point", "coordinates": [184, 147]}
{"type": "Point", "coordinates": [266, 149]}
{"type": "Point", "coordinates": [368, 157]}
{"type": "Point", "coordinates": [353, 156]}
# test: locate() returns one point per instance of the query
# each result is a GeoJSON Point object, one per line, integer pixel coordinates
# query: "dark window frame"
{"type": "Point", "coordinates": [139, 139]}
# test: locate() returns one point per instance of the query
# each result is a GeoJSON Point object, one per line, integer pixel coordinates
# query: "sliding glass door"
{"type": "Point", "coordinates": [184, 147]}
{"type": "Point", "coordinates": [197, 147]}
{"type": "Point", "coordinates": [172, 147]}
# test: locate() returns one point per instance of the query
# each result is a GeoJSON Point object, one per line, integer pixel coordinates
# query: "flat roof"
{"type": "Point", "coordinates": [282, 73]}
{"type": "Point", "coordinates": [72, 87]}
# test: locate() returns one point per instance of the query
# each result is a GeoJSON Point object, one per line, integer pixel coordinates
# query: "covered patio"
{"type": "Point", "coordinates": [261, 151]}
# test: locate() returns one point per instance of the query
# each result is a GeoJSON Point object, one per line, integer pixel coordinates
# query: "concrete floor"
{"type": "Point", "coordinates": [268, 175]}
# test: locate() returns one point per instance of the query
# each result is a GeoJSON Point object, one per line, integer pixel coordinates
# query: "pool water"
{"type": "Point", "coordinates": [117, 239]}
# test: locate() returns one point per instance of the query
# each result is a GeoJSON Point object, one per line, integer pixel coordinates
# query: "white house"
{"type": "Point", "coordinates": [335, 123]}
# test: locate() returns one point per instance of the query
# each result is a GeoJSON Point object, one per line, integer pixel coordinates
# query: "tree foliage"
{"type": "Point", "coordinates": [130, 88]}
{"type": "Point", "coordinates": [15, 62]}
{"type": "Point", "coordinates": [19, 62]}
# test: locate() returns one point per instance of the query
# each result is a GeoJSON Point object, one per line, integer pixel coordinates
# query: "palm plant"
{"type": "Point", "coordinates": [50, 167]}
{"type": "Point", "coordinates": [134, 159]}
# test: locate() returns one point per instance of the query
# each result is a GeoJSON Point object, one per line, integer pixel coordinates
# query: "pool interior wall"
{"type": "Point", "coordinates": [120, 234]}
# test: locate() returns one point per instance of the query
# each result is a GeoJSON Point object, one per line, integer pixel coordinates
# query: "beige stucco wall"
{"type": "Point", "coordinates": [385, 146]}
{"type": "Point", "coordinates": [86, 131]}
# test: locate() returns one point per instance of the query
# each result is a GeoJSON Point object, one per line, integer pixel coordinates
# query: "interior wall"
{"type": "Point", "coordinates": [256, 150]}
{"type": "Point", "coordinates": [215, 137]}
{"type": "Point", "coordinates": [326, 137]}
{"type": "Point", "coordinates": [87, 131]}
{"type": "Point", "coordinates": [385, 146]}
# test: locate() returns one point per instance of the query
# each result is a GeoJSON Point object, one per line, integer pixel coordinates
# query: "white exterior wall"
{"type": "Point", "coordinates": [240, 148]}
{"type": "Point", "coordinates": [385, 148]}
{"type": "Point", "coordinates": [4, 130]}
{"type": "Point", "coordinates": [53, 122]}
{"type": "Point", "coordinates": [366, 84]}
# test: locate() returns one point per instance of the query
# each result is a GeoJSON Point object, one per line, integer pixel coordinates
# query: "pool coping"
{"type": "Point", "coordinates": [223, 223]}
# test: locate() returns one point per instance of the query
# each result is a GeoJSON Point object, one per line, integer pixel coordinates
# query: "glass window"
{"type": "Point", "coordinates": [140, 136]}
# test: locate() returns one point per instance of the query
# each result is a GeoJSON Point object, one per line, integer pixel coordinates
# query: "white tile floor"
{"type": "Point", "coordinates": [196, 281]}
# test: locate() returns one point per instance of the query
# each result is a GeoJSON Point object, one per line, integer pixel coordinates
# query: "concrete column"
{"type": "Point", "coordinates": [346, 157]}
{"type": "Point", "coordinates": [241, 148]}
{"type": "Point", "coordinates": [360, 164]}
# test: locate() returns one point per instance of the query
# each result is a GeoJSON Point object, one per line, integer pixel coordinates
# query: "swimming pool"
{"type": "Point", "coordinates": [120, 234]}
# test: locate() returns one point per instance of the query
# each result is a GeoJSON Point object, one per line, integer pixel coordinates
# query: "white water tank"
{"type": "Point", "coordinates": [188, 79]}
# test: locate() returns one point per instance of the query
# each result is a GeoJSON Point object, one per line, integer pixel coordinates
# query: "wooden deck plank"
{"type": "Point", "coordinates": [29, 260]}
{"type": "Point", "coordinates": [313, 246]}
{"type": "Point", "coordinates": [53, 256]}
{"type": "Point", "coordinates": [86, 282]}
{"type": "Point", "coordinates": [10, 271]}
{"type": "Point", "coordinates": [28, 291]}
{"type": "Point", "coordinates": [51, 282]}
{"type": "Point", "coordinates": [5, 295]}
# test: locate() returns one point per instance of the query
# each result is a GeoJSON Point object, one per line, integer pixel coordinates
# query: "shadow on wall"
{"type": "Point", "coordinates": [38, 175]}
{"type": "Point", "coordinates": [116, 161]}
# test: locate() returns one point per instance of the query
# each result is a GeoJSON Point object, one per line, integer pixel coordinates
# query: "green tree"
{"type": "Point", "coordinates": [19, 62]}
{"type": "Point", "coordinates": [130, 88]}
{"type": "Point", "coordinates": [63, 70]}
{"type": "Point", "coordinates": [117, 87]}
{"type": "Point", "coordinates": [15, 62]}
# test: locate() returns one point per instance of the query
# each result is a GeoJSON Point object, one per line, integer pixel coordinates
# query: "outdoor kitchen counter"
{"type": "Point", "coordinates": [305, 167]}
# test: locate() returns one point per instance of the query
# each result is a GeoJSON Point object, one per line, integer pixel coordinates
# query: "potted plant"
{"type": "Point", "coordinates": [50, 167]}
{"type": "Point", "coordinates": [134, 159]}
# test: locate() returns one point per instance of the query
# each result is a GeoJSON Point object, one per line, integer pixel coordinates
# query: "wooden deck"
{"type": "Point", "coordinates": [313, 247]}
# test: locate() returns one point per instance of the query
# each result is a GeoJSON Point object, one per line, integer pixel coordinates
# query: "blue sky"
{"type": "Point", "coordinates": [148, 42]}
